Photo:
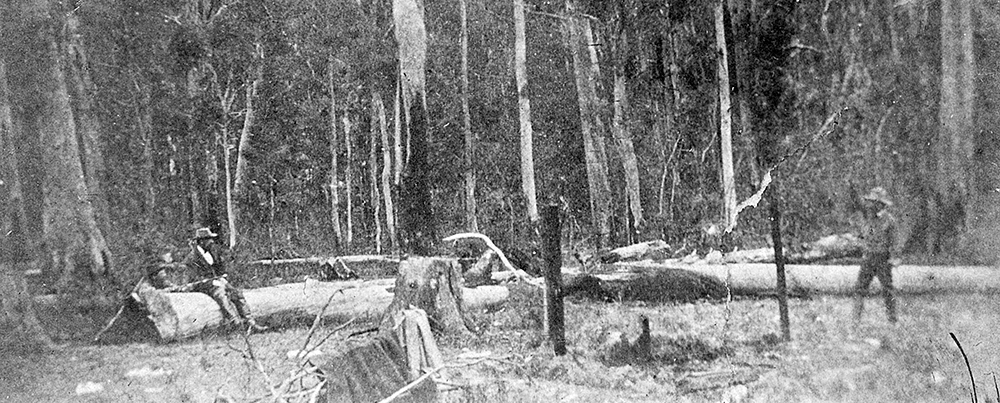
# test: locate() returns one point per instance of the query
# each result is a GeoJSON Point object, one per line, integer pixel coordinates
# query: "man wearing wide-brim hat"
{"type": "Point", "coordinates": [208, 272]}
{"type": "Point", "coordinates": [878, 237]}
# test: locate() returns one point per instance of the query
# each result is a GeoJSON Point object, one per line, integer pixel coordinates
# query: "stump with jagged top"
{"type": "Point", "coordinates": [435, 285]}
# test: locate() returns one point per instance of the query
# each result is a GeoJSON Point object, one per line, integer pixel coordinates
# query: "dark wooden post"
{"type": "Point", "coordinates": [551, 234]}
{"type": "Point", "coordinates": [779, 259]}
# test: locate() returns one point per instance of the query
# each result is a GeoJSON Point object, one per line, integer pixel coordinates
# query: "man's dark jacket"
{"type": "Point", "coordinates": [200, 268]}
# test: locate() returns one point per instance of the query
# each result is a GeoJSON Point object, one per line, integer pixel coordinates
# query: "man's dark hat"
{"type": "Point", "coordinates": [880, 195]}
{"type": "Point", "coordinates": [204, 233]}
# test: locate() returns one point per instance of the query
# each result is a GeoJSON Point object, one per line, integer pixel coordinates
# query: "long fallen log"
{"type": "Point", "coordinates": [329, 267]}
{"type": "Point", "coordinates": [634, 252]}
{"type": "Point", "coordinates": [760, 278]}
{"type": "Point", "coordinates": [323, 259]}
{"type": "Point", "coordinates": [660, 285]}
{"type": "Point", "coordinates": [180, 315]}
{"type": "Point", "coordinates": [827, 248]}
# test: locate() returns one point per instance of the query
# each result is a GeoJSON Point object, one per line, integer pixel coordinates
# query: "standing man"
{"type": "Point", "coordinates": [209, 276]}
{"type": "Point", "coordinates": [878, 237]}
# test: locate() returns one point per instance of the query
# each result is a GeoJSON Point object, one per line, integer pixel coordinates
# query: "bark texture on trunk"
{"type": "Point", "coordinates": [373, 177]}
{"type": "Point", "coordinates": [955, 146]}
{"type": "Point", "coordinates": [725, 118]}
{"type": "Point", "coordinates": [387, 170]}
{"type": "Point", "coordinates": [334, 162]}
{"type": "Point", "coordinates": [591, 125]}
{"type": "Point", "coordinates": [417, 224]}
{"type": "Point", "coordinates": [469, 152]}
{"type": "Point", "coordinates": [348, 182]}
{"type": "Point", "coordinates": [626, 150]}
{"type": "Point", "coordinates": [87, 126]}
{"type": "Point", "coordinates": [240, 181]}
{"type": "Point", "coordinates": [73, 244]}
{"type": "Point", "coordinates": [19, 325]}
{"type": "Point", "coordinates": [621, 123]}
{"type": "Point", "coordinates": [524, 113]}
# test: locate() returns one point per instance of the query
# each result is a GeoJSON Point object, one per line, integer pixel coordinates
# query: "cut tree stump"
{"type": "Point", "coordinates": [386, 365]}
{"type": "Point", "coordinates": [432, 284]}
{"type": "Point", "coordinates": [177, 316]}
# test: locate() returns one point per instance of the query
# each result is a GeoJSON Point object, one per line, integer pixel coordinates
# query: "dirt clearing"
{"type": "Point", "coordinates": [701, 352]}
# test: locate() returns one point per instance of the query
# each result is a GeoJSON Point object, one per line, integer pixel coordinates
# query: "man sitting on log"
{"type": "Point", "coordinates": [208, 276]}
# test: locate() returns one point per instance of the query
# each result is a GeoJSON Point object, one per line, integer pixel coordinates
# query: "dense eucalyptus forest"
{"type": "Point", "coordinates": [301, 128]}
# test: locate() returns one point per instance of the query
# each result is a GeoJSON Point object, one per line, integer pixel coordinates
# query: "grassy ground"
{"type": "Point", "coordinates": [701, 352]}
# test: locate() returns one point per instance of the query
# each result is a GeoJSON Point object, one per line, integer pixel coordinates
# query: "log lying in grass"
{"type": "Point", "coordinates": [330, 267]}
{"type": "Point", "coordinates": [642, 250]}
{"type": "Point", "coordinates": [760, 278]}
{"type": "Point", "coordinates": [181, 315]}
{"type": "Point", "coordinates": [659, 285]}
{"type": "Point", "coordinates": [827, 248]}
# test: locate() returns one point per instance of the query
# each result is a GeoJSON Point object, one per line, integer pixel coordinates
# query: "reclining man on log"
{"type": "Point", "coordinates": [208, 276]}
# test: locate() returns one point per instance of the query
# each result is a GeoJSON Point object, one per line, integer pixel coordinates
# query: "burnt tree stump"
{"type": "Point", "coordinates": [434, 285]}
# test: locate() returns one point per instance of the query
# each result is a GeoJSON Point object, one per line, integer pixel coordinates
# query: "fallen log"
{"type": "Point", "coordinates": [760, 278]}
{"type": "Point", "coordinates": [181, 315]}
{"type": "Point", "coordinates": [830, 247]}
{"type": "Point", "coordinates": [329, 267]}
{"type": "Point", "coordinates": [661, 285]}
{"type": "Point", "coordinates": [643, 250]}
{"type": "Point", "coordinates": [320, 259]}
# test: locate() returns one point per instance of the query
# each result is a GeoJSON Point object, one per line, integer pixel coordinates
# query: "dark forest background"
{"type": "Point", "coordinates": [159, 93]}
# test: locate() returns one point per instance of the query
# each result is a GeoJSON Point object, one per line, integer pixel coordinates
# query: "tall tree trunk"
{"type": "Point", "coordinates": [18, 322]}
{"type": "Point", "coordinates": [524, 113]}
{"type": "Point", "coordinates": [417, 227]}
{"type": "Point", "coordinates": [955, 145]}
{"type": "Point", "coordinates": [144, 117]}
{"type": "Point", "coordinates": [225, 96]}
{"type": "Point", "coordinates": [88, 129]}
{"type": "Point", "coordinates": [591, 126]}
{"type": "Point", "coordinates": [13, 215]}
{"type": "Point", "coordinates": [338, 235]}
{"type": "Point", "coordinates": [725, 118]}
{"type": "Point", "coordinates": [672, 102]}
{"type": "Point", "coordinates": [349, 182]}
{"type": "Point", "coordinates": [373, 177]}
{"type": "Point", "coordinates": [73, 244]}
{"type": "Point", "coordinates": [619, 126]}
{"type": "Point", "coordinates": [227, 157]}
{"type": "Point", "coordinates": [740, 13]}
{"type": "Point", "coordinates": [468, 155]}
{"type": "Point", "coordinates": [397, 134]}
{"type": "Point", "coordinates": [387, 171]}
{"type": "Point", "coordinates": [239, 196]}
{"type": "Point", "coordinates": [772, 107]}
{"type": "Point", "coordinates": [958, 67]}
{"type": "Point", "coordinates": [627, 151]}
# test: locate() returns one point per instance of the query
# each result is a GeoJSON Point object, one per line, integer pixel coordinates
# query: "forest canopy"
{"type": "Point", "coordinates": [284, 125]}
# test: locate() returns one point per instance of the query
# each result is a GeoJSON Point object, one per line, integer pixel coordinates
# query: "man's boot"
{"type": "Point", "coordinates": [890, 305]}
{"type": "Point", "coordinates": [859, 306]}
{"type": "Point", "coordinates": [230, 311]}
{"type": "Point", "coordinates": [244, 311]}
